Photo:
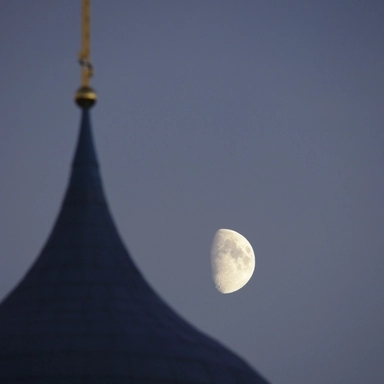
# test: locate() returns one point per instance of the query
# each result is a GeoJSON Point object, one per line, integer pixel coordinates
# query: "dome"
{"type": "Point", "coordinates": [83, 313]}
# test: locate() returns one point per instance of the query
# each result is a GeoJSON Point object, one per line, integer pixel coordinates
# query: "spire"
{"type": "Point", "coordinates": [83, 313]}
{"type": "Point", "coordinates": [85, 96]}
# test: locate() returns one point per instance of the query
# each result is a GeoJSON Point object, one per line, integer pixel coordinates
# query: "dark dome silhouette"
{"type": "Point", "coordinates": [84, 313]}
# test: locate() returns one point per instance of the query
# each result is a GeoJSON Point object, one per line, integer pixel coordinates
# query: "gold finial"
{"type": "Point", "coordinates": [85, 96]}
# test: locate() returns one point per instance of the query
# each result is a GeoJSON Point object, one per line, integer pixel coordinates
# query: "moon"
{"type": "Point", "coordinates": [232, 260]}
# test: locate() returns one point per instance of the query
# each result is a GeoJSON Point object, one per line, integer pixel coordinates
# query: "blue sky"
{"type": "Point", "coordinates": [262, 117]}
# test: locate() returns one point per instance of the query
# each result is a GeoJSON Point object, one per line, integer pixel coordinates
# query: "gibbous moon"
{"type": "Point", "coordinates": [232, 260]}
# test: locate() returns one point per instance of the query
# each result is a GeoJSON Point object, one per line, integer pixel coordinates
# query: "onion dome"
{"type": "Point", "coordinates": [84, 313]}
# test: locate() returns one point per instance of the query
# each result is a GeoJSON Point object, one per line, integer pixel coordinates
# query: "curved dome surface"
{"type": "Point", "coordinates": [84, 313]}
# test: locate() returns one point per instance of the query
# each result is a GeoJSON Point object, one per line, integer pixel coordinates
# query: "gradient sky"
{"type": "Point", "coordinates": [265, 117]}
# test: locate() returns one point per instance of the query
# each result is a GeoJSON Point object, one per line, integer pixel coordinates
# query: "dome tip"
{"type": "Point", "coordinates": [85, 97]}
